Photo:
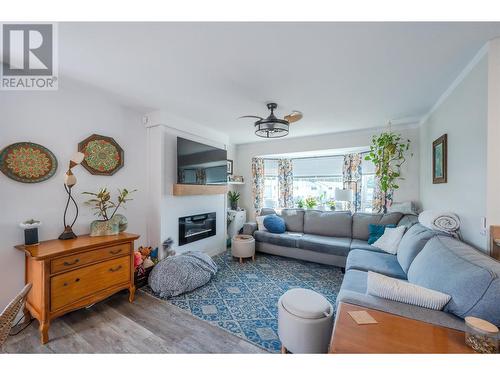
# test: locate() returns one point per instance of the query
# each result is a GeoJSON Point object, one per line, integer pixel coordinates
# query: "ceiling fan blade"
{"type": "Point", "coordinates": [250, 116]}
{"type": "Point", "coordinates": [294, 116]}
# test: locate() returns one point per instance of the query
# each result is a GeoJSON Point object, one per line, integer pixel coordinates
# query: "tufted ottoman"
{"type": "Point", "coordinates": [243, 246]}
{"type": "Point", "coordinates": [305, 321]}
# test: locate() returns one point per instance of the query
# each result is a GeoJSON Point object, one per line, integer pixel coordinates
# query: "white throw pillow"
{"type": "Point", "coordinates": [402, 291]}
{"type": "Point", "coordinates": [260, 223]}
{"type": "Point", "coordinates": [390, 240]}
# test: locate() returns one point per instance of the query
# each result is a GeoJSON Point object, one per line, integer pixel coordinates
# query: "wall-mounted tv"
{"type": "Point", "coordinates": [200, 164]}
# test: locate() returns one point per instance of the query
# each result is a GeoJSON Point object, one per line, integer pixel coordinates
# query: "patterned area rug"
{"type": "Point", "coordinates": [242, 298]}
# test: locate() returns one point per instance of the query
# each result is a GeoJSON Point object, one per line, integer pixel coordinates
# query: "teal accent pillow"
{"type": "Point", "coordinates": [274, 224]}
{"type": "Point", "coordinates": [375, 231]}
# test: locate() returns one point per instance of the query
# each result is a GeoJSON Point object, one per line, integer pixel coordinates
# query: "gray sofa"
{"type": "Point", "coordinates": [321, 236]}
{"type": "Point", "coordinates": [427, 258]}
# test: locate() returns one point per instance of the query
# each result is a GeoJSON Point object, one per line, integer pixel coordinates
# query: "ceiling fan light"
{"type": "Point", "coordinates": [271, 129]}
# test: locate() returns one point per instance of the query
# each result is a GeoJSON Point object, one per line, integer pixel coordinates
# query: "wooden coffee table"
{"type": "Point", "coordinates": [392, 334]}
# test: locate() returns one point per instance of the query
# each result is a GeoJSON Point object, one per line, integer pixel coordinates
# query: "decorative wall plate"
{"type": "Point", "coordinates": [27, 162]}
{"type": "Point", "coordinates": [103, 155]}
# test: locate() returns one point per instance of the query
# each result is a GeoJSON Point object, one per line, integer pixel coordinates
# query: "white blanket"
{"type": "Point", "coordinates": [439, 220]}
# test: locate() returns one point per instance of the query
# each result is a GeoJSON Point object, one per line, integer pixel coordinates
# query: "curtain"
{"type": "Point", "coordinates": [381, 201]}
{"type": "Point", "coordinates": [285, 183]}
{"type": "Point", "coordinates": [258, 184]}
{"type": "Point", "coordinates": [352, 178]}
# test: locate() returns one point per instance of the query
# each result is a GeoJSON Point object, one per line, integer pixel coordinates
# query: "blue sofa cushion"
{"type": "Point", "coordinates": [329, 223]}
{"type": "Point", "coordinates": [375, 231]}
{"type": "Point", "coordinates": [363, 245]}
{"type": "Point", "coordinates": [294, 219]}
{"type": "Point", "coordinates": [366, 260]}
{"type": "Point", "coordinates": [361, 220]}
{"type": "Point", "coordinates": [283, 239]}
{"type": "Point", "coordinates": [412, 243]}
{"type": "Point", "coordinates": [274, 224]}
{"type": "Point", "coordinates": [468, 276]}
{"type": "Point", "coordinates": [324, 244]}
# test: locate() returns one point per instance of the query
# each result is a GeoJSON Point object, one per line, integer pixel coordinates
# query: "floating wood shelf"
{"type": "Point", "coordinates": [183, 189]}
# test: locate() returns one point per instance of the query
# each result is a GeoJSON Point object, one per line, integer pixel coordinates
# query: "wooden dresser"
{"type": "Point", "coordinates": [71, 274]}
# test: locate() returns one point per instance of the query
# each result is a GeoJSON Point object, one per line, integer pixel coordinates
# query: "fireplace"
{"type": "Point", "coordinates": [196, 227]}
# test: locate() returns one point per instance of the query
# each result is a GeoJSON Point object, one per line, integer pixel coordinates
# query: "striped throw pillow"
{"type": "Point", "coordinates": [402, 291]}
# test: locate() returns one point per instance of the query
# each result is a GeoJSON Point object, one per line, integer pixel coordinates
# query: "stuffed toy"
{"type": "Point", "coordinates": [137, 259]}
{"type": "Point", "coordinates": [145, 252]}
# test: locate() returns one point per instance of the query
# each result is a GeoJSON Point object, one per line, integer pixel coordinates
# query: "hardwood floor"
{"type": "Point", "coordinates": [148, 325]}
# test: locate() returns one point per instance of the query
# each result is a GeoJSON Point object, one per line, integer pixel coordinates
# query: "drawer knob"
{"type": "Point", "coordinates": [71, 263]}
{"type": "Point", "coordinates": [115, 251]}
{"type": "Point", "coordinates": [115, 269]}
{"type": "Point", "coordinates": [77, 280]}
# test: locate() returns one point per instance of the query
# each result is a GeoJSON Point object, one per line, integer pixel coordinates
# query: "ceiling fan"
{"type": "Point", "coordinates": [271, 126]}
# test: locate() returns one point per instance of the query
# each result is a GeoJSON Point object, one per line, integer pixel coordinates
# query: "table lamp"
{"type": "Point", "coordinates": [69, 182]}
{"type": "Point", "coordinates": [343, 195]}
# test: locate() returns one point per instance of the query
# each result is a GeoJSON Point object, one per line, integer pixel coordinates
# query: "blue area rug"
{"type": "Point", "coordinates": [242, 298]}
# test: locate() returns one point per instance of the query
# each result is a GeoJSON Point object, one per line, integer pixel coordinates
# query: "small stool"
{"type": "Point", "coordinates": [243, 246]}
{"type": "Point", "coordinates": [305, 321]}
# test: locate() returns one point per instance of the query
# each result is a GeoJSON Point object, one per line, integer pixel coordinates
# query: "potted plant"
{"type": "Point", "coordinates": [108, 224]}
{"type": "Point", "coordinates": [387, 152]}
{"type": "Point", "coordinates": [311, 202]}
{"type": "Point", "coordinates": [300, 203]}
{"type": "Point", "coordinates": [233, 197]}
{"type": "Point", "coordinates": [331, 204]}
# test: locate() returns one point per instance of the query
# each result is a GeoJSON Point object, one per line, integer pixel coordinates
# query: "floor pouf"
{"type": "Point", "coordinates": [243, 246]}
{"type": "Point", "coordinates": [305, 321]}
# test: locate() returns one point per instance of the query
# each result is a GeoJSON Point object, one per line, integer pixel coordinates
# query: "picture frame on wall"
{"type": "Point", "coordinates": [229, 167]}
{"type": "Point", "coordinates": [440, 160]}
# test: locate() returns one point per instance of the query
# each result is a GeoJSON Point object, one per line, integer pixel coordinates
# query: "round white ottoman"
{"type": "Point", "coordinates": [243, 246]}
{"type": "Point", "coordinates": [305, 321]}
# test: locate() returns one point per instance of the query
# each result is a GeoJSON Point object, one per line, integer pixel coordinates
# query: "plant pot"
{"type": "Point", "coordinates": [234, 206]}
{"type": "Point", "coordinates": [104, 228]}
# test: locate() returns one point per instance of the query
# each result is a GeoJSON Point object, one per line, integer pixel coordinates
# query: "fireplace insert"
{"type": "Point", "coordinates": [196, 227]}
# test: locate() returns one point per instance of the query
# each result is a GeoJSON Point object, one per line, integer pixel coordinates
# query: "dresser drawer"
{"type": "Point", "coordinates": [76, 260]}
{"type": "Point", "coordinates": [69, 287]}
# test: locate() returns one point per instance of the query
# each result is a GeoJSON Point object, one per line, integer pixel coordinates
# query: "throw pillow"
{"type": "Point", "coordinates": [390, 240]}
{"type": "Point", "coordinates": [375, 231]}
{"type": "Point", "coordinates": [260, 222]}
{"type": "Point", "coordinates": [274, 224]}
{"type": "Point", "coordinates": [402, 291]}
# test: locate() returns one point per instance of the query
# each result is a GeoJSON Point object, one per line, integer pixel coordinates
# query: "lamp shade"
{"type": "Point", "coordinates": [77, 157]}
{"type": "Point", "coordinates": [69, 179]}
{"type": "Point", "coordinates": [343, 195]}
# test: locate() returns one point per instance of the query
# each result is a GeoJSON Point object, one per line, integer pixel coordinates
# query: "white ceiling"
{"type": "Point", "coordinates": [342, 76]}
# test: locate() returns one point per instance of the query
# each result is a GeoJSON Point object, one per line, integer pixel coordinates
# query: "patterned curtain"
{"type": "Point", "coordinates": [379, 198]}
{"type": "Point", "coordinates": [352, 178]}
{"type": "Point", "coordinates": [285, 183]}
{"type": "Point", "coordinates": [258, 184]}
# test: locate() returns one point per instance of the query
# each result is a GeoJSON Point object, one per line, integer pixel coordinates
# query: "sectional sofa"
{"type": "Point", "coordinates": [425, 257]}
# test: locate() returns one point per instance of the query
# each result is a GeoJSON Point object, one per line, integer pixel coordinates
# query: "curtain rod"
{"type": "Point", "coordinates": [318, 157]}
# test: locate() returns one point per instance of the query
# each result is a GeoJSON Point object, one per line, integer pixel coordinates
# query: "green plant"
{"type": "Point", "coordinates": [331, 204]}
{"type": "Point", "coordinates": [311, 202]}
{"type": "Point", "coordinates": [387, 152]}
{"type": "Point", "coordinates": [233, 197]}
{"type": "Point", "coordinates": [102, 202]}
{"type": "Point", "coordinates": [300, 203]}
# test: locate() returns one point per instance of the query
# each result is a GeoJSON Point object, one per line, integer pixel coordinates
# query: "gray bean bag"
{"type": "Point", "coordinates": [183, 273]}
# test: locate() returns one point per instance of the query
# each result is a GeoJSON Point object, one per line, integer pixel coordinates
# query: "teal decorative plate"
{"type": "Point", "coordinates": [27, 162]}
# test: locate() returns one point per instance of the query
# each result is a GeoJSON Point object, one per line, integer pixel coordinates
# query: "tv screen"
{"type": "Point", "coordinates": [200, 164]}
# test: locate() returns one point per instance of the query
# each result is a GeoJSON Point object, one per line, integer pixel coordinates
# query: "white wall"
{"type": "Point", "coordinates": [59, 120]}
{"type": "Point", "coordinates": [409, 188]}
{"type": "Point", "coordinates": [463, 116]}
{"type": "Point", "coordinates": [165, 208]}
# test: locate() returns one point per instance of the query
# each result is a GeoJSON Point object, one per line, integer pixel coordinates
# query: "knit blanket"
{"type": "Point", "coordinates": [182, 273]}
{"type": "Point", "coordinates": [437, 220]}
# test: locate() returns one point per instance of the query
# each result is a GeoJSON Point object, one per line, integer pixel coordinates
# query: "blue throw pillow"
{"type": "Point", "coordinates": [274, 224]}
{"type": "Point", "coordinates": [376, 231]}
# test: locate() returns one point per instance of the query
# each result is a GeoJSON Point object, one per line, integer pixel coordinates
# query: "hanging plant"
{"type": "Point", "coordinates": [387, 152]}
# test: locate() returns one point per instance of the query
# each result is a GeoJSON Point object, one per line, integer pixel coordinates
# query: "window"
{"type": "Point", "coordinates": [367, 185]}
{"type": "Point", "coordinates": [317, 177]}
{"type": "Point", "coordinates": [271, 190]}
